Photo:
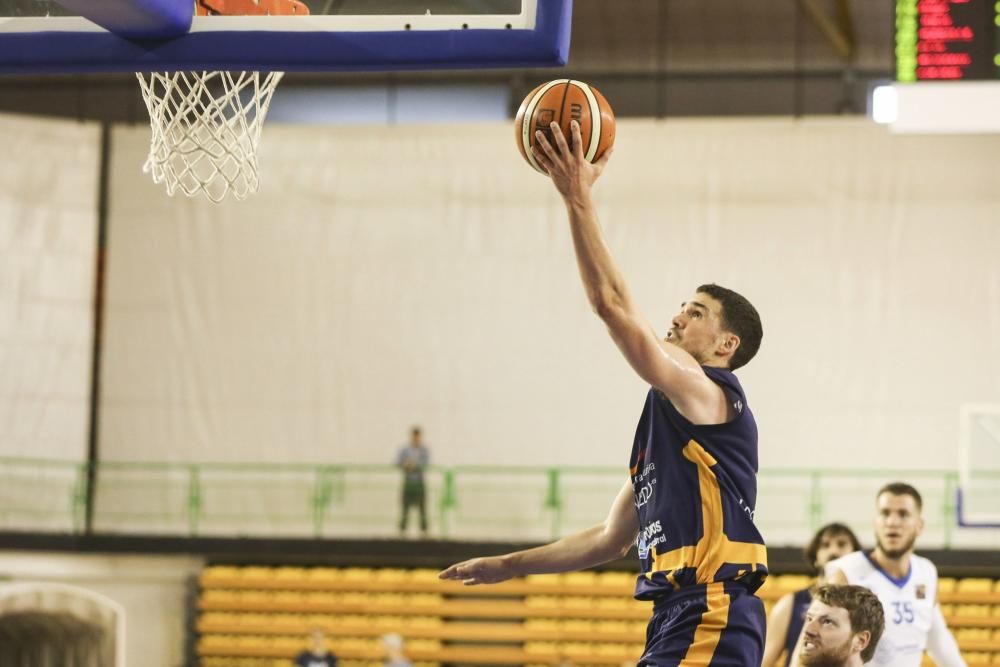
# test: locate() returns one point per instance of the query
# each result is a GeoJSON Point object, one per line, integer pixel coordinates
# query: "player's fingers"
{"type": "Point", "coordinates": [604, 158]}
{"type": "Point", "coordinates": [542, 141]}
{"type": "Point", "coordinates": [451, 572]}
{"type": "Point", "coordinates": [542, 160]}
{"type": "Point", "coordinates": [577, 139]}
{"type": "Point", "coordinates": [560, 140]}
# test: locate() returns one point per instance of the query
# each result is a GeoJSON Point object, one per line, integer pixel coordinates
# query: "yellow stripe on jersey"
{"type": "Point", "coordinates": [714, 549]}
{"type": "Point", "coordinates": [709, 630]}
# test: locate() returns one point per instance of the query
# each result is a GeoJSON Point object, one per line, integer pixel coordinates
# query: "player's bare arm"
{"type": "Point", "coordinates": [599, 544]}
{"type": "Point", "coordinates": [777, 627]}
{"type": "Point", "coordinates": [665, 366]}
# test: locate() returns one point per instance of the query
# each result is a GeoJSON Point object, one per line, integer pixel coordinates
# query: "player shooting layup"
{"type": "Point", "coordinates": [690, 499]}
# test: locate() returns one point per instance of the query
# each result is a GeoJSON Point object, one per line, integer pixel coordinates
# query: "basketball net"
{"type": "Point", "coordinates": [206, 125]}
{"type": "Point", "coordinates": [205, 130]}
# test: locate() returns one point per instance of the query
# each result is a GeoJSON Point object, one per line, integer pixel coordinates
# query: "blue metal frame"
{"type": "Point", "coordinates": [137, 19]}
{"type": "Point", "coordinates": [97, 51]}
{"type": "Point", "coordinates": [961, 516]}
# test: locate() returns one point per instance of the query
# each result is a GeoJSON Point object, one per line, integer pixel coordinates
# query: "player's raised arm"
{"type": "Point", "coordinates": [665, 366]}
{"type": "Point", "coordinates": [598, 544]}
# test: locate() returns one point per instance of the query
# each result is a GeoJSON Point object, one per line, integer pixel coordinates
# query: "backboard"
{"type": "Point", "coordinates": [334, 35]}
{"type": "Point", "coordinates": [978, 502]}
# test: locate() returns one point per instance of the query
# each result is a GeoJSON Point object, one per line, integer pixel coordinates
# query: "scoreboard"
{"type": "Point", "coordinates": [940, 40]}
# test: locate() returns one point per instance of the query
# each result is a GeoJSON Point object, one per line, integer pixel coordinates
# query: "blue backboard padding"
{"type": "Point", "coordinates": [545, 46]}
{"type": "Point", "coordinates": [137, 19]}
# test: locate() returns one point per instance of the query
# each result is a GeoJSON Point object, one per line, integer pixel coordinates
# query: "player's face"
{"type": "Point", "coordinates": [697, 328]}
{"type": "Point", "coordinates": [897, 524]}
{"type": "Point", "coordinates": [831, 547]}
{"type": "Point", "coordinates": [827, 638]}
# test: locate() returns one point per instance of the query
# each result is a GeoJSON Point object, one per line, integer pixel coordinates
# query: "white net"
{"type": "Point", "coordinates": [206, 127]}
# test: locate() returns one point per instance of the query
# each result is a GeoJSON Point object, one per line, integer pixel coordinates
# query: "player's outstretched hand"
{"type": "Point", "coordinates": [569, 170]}
{"type": "Point", "coordinates": [490, 570]}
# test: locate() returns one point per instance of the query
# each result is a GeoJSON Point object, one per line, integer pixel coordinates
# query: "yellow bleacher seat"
{"type": "Point", "coordinates": [541, 624]}
{"type": "Point", "coordinates": [221, 595]}
{"type": "Point", "coordinates": [576, 648]}
{"type": "Point", "coordinates": [544, 579]}
{"type": "Point", "coordinates": [946, 585]}
{"type": "Point", "coordinates": [971, 610]}
{"type": "Point", "coordinates": [577, 602]}
{"type": "Point", "coordinates": [614, 626]}
{"type": "Point", "coordinates": [542, 601]}
{"type": "Point", "coordinates": [221, 572]}
{"type": "Point", "coordinates": [289, 597]}
{"type": "Point", "coordinates": [387, 622]}
{"type": "Point", "coordinates": [426, 599]}
{"type": "Point", "coordinates": [424, 622]}
{"type": "Point", "coordinates": [215, 640]}
{"type": "Point", "coordinates": [576, 625]}
{"type": "Point", "coordinates": [290, 644]}
{"type": "Point", "coordinates": [585, 578]}
{"type": "Point", "coordinates": [254, 597]}
{"type": "Point", "coordinates": [352, 620]}
{"type": "Point", "coordinates": [615, 579]}
{"type": "Point", "coordinates": [612, 649]}
{"type": "Point", "coordinates": [256, 573]}
{"type": "Point", "coordinates": [614, 603]}
{"type": "Point", "coordinates": [973, 634]}
{"type": "Point", "coordinates": [391, 575]}
{"type": "Point", "coordinates": [323, 574]}
{"type": "Point", "coordinates": [354, 598]}
{"type": "Point", "coordinates": [791, 582]}
{"type": "Point", "coordinates": [389, 599]}
{"type": "Point", "coordinates": [541, 648]}
{"type": "Point", "coordinates": [974, 585]}
{"type": "Point", "coordinates": [295, 620]}
{"type": "Point", "coordinates": [424, 575]}
{"type": "Point", "coordinates": [357, 574]}
{"type": "Point", "coordinates": [420, 644]}
{"type": "Point", "coordinates": [289, 574]}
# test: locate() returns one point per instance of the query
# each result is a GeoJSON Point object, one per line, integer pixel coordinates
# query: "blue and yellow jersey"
{"type": "Point", "coordinates": [695, 488]}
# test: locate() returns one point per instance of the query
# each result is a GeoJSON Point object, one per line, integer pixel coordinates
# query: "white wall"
{"type": "Point", "coordinates": [387, 276]}
{"type": "Point", "coordinates": [152, 590]}
{"type": "Point", "coordinates": [48, 221]}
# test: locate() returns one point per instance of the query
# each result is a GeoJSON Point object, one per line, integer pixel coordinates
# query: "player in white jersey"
{"type": "Point", "coordinates": [905, 583]}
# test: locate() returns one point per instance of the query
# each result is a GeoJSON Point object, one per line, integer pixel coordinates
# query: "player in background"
{"type": "Point", "coordinates": [784, 623]}
{"type": "Point", "coordinates": [843, 625]}
{"type": "Point", "coordinates": [905, 583]}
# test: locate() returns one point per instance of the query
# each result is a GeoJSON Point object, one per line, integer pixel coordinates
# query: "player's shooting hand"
{"type": "Point", "coordinates": [569, 170]}
{"type": "Point", "coordinates": [490, 570]}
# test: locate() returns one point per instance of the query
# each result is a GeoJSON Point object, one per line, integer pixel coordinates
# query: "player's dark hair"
{"type": "Point", "coordinates": [738, 317]}
{"type": "Point", "coordinates": [827, 531]}
{"type": "Point", "coordinates": [902, 489]}
{"type": "Point", "coordinates": [863, 608]}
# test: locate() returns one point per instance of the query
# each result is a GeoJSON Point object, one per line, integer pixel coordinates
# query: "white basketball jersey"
{"type": "Point", "coordinates": [908, 604]}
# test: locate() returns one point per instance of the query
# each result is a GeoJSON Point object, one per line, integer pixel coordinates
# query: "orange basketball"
{"type": "Point", "coordinates": [562, 101]}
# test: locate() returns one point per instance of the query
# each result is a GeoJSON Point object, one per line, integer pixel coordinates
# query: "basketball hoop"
{"type": "Point", "coordinates": [205, 130]}
{"type": "Point", "coordinates": [206, 125]}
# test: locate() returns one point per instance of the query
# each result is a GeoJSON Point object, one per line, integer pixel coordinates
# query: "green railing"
{"type": "Point", "coordinates": [464, 502]}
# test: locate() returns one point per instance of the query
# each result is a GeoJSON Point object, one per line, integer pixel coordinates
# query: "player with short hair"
{"type": "Point", "coordinates": [905, 583]}
{"type": "Point", "coordinates": [842, 627]}
{"type": "Point", "coordinates": [784, 623]}
{"type": "Point", "coordinates": [689, 502]}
